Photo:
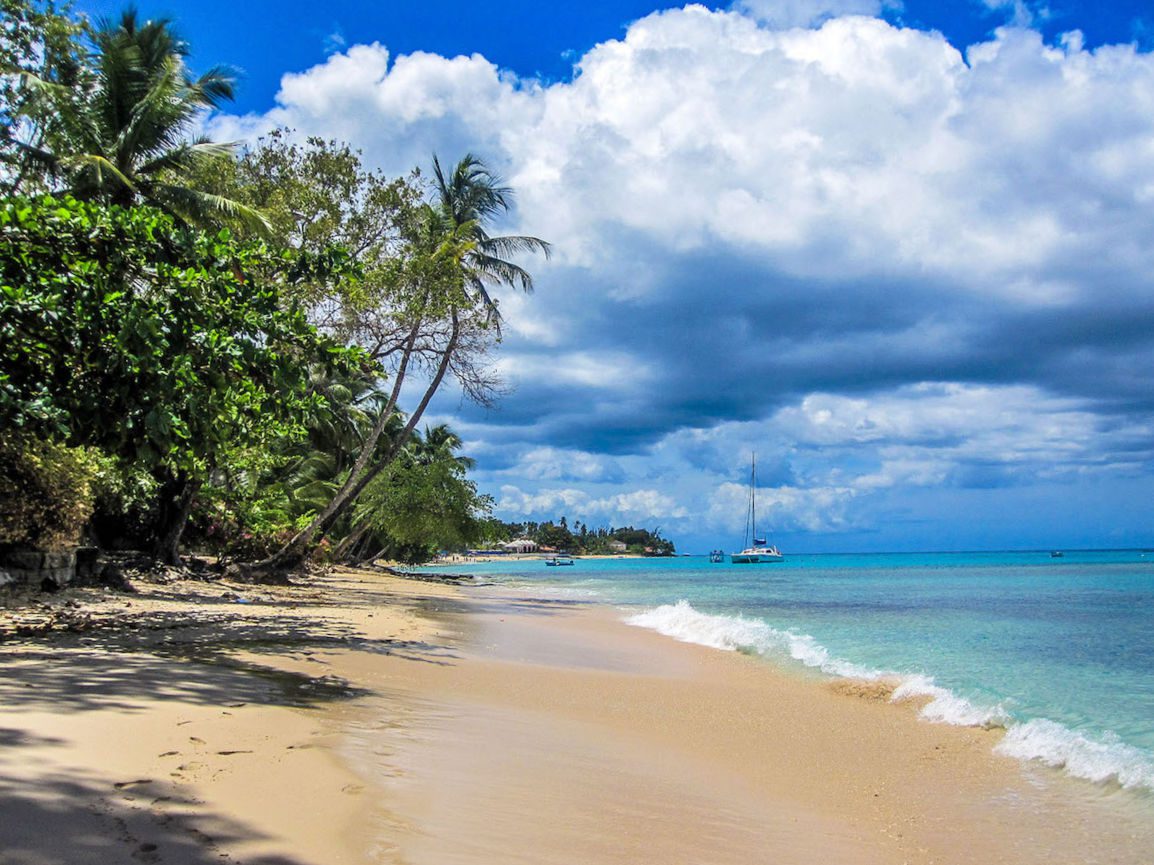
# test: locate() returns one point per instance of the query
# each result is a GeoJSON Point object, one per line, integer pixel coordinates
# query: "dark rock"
{"type": "Point", "coordinates": [25, 560]}
{"type": "Point", "coordinates": [59, 561]}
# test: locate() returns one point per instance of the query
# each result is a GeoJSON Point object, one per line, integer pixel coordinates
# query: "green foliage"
{"type": "Point", "coordinates": [423, 501]}
{"type": "Point", "coordinates": [46, 492]}
{"type": "Point", "coordinates": [118, 130]}
{"type": "Point", "coordinates": [257, 498]}
{"type": "Point", "coordinates": [121, 330]}
{"type": "Point", "coordinates": [580, 539]}
{"type": "Point", "coordinates": [317, 196]}
{"type": "Point", "coordinates": [555, 536]}
{"type": "Point", "coordinates": [38, 39]}
{"type": "Point", "coordinates": [245, 516]}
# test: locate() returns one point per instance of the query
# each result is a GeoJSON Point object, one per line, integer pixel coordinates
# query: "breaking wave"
{"type": "Point", "coordinates": [1100, 761]}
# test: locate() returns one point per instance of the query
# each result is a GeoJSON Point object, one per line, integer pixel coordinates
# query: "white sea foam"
{"type": "Point", "coordinates": [1099, 760]}
{"type": "Point", "coordinates": [738, 633]}
{"type": "Point", "coordinates": [946, 707]}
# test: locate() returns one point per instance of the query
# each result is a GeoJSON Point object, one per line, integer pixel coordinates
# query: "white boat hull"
{"type": "Point", "coordinates": [756, 557]}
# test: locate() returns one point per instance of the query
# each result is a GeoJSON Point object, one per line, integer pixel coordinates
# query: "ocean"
{"type": "Point", "coordinates": [1058, 650]}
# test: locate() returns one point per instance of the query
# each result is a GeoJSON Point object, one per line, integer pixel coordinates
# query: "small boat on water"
{"type": "Point", "coordinates": [558, 561]}
{"type": "Point", "coordinates": [756, 555]}
{"type": "Point", "coordinates": [1057, 554]}
{"type": "Point", "coordinates": [716, 556]}
{"type": "Point", "coordinates": [757, 550]}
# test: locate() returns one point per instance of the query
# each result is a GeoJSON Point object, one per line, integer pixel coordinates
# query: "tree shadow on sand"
{"type": "Point", "coordinates": [74, 819]}
{"type": "Point", "coordinates": [68, 816]}
{"type": "Point", "coordinates": [118, 668]}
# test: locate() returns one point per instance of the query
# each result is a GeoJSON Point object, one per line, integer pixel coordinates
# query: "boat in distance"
{"type": "Point", "coordinates": [757, 551]}
{"type": "Point", "coordinates": [558, 561]}
{"type": "Point", "coordinates": [757, 555]}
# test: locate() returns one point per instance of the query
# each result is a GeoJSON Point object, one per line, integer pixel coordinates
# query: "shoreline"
{"type": "Point", "coordinates": [370, 718]}
{"type": "Point", "coordinates": [867, 780]}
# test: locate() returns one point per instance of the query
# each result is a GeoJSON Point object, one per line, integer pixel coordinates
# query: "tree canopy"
{"type": "Point", "coordinates": [121, 330]}
{"type": "Point", "coordinates": [160, 345]}
{"type": "Point", "coordinates": [266, 384]}
{"type": "Point", "coordinates": [118, 130]}
{"type": "Point", "coordinates": [579, 538]}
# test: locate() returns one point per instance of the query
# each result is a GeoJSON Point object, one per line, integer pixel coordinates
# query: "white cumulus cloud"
{"type": "Point", "coordinates": [883, 261]}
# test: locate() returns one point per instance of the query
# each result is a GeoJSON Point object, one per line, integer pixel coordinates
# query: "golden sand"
{"type": "Point", "coordinates": [369, 719]}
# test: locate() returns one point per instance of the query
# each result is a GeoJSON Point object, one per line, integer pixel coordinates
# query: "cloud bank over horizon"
{"type": "Point", "coordinates": [908, 274]}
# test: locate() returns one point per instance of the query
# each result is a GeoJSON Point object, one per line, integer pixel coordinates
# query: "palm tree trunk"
{"type": "Point", "coordinates": [341, 554]}
{"type": "Point", "coordinates": [415, 418]}
{"type": "Point", "coordinates": [293, 554]}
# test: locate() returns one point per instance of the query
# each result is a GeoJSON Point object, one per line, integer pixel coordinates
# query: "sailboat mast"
{"type": "Point", "coordinates": [753, 499]}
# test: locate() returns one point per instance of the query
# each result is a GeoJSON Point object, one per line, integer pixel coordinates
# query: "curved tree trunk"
{"type": "Point", "coordinates": [350, 543]}
{"type": "Point", "coordinates": [296, 552]}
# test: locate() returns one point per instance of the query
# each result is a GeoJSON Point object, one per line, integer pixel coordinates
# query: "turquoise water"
{"type": "Point", "coordinates": [1060, 651]}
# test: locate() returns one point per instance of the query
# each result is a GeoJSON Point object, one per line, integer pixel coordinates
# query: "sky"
{"type": "Point", "coordinates": [902, 251]}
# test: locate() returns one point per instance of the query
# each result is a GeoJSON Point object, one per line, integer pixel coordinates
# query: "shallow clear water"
{"type": "Point", "coordinates": [1058, 650]}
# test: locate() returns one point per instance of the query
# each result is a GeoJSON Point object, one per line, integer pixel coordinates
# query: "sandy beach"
{"type": "Point", "coordinates": [370, 719]}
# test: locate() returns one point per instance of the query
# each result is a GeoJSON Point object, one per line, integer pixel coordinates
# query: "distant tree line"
{"type": "Point", "coordinates": [579, 539]}
{"type": "Point", "coordinates": [207, 345]}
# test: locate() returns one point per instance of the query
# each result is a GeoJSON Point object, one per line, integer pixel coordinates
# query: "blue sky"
{"type": "Point", "coordinates": [264, 40]}
{"type": "Point", "coordinates": [904, 253]}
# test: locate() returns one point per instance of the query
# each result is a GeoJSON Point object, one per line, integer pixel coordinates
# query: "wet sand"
{"type": "Point", "coordinates": [564, 735]}
{"type": "Point", "coordinates": [376, 720]}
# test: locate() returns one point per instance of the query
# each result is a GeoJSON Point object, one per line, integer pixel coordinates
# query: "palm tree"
{"type": "Point", "coordinates": [120, 134]}
{"type": "Point", "coordinates": [472, 196]}
{"type": "Point", "coordinates": [433, 456]}
{"type": "Point", "coordinates": [453, 232]}
{"type": "Point", "coordinates": [440, 444]}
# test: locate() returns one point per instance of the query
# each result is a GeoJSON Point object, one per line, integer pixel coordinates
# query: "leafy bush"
{"type": "Point", "coordinates": [46, 493]}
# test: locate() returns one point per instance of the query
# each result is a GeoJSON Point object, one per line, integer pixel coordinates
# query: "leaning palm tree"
{"type": "Point", "coordinates": [120, 135]}
{"type": "Point", "coordinates": [472, 195]}
{"type": "Point", "coordinates": [450, 239]}
{"type": "Point", "coordinates": [433, 457]}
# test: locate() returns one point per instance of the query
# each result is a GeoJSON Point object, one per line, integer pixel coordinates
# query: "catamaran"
{"type": "Point", "coordinates": [759, 551]}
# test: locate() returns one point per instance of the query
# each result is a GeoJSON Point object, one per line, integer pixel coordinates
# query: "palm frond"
{"type": "Point", "coordinates": [188, 156]}
{"type": "Point", "coordinates": [216, 86]}
{"type": "Point", "coordinates": [123, 134]}
{"type": "Point", "coordinates": [96, 174]}
{"type": "Point", "coordinates": [196, 207]}
{"type": "Point", "coordinates": [515, 244]}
